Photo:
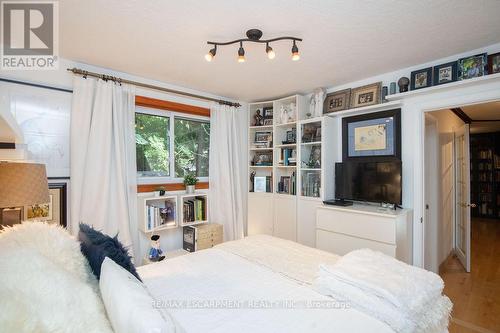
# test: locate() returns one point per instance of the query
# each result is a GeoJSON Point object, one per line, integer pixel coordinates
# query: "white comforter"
{"type": "Point", "coordinates": [253, 296]}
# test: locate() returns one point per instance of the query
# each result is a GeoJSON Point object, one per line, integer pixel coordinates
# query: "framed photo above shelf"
{"type": "Point", "coordinates": [374, 135]}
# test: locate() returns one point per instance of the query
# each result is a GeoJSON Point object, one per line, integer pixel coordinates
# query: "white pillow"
{"type": "Point", "coordinates": [128, 303]}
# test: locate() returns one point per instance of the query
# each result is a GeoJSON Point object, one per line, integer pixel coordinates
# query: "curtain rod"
{"type": "Point", "coordinates": [105, 77]}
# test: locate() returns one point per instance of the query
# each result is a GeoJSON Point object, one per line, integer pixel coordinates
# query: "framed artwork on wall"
{"type": "Point", "coordinates": [55, 211]}
{"type": "Point", "coordinates": [366, 95]}
{"type": "Point", "coordinates": [421, 78]}
{"type": "Point", "coordinates": [445, 73]}
{"type": "Point", "coordinates": [473, 66]}
{"type": "Point", "coordinates": [337, 101]}
{"type": "Point", "coordinates": [373, 135]}
{"type": "Point", "coordinates": [494, 63]}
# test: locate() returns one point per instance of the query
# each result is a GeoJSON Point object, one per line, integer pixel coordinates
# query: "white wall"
{"type": "Point", "coordinates": [61, 78]}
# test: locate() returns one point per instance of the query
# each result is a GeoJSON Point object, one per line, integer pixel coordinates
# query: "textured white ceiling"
{"type": "Point", "coordinates": [344, 40]}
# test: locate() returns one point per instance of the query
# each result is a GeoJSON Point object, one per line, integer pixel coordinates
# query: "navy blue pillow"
{"type": "Point", "coordinates": [96, 246]}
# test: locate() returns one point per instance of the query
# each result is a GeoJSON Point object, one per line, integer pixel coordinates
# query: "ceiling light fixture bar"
{"type": "Point", "coordinates": [253, 36]}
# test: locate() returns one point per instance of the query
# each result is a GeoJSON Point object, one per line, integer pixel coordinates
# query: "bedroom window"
{"type": "Point", "coordinates": [169, 145]}
{"type": "Point", "coordinates": [192, 139]}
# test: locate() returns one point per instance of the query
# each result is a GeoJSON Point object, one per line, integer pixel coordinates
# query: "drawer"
{"type": "Point", "coordinates": [342, 244]}
{"type": "Point", "coordinates": [370, 227]}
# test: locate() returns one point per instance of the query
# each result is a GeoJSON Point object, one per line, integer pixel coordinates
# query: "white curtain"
{"type": "Point", "coordinates": [226, 170]}
{"type": "Point", "coordinates": [103, 172]}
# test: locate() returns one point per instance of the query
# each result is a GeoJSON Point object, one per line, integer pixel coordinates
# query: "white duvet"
{"type": "Point", "coordinates": [219, 290]}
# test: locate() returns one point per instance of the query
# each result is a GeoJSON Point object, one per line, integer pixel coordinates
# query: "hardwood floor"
{"type": "Point", "coordinates": [476, 295]}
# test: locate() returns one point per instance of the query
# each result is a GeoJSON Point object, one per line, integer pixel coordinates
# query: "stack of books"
{"type": "Point", "coordinates": [288, 157]}
{"type": "Point", "coordinates": [194, 209]}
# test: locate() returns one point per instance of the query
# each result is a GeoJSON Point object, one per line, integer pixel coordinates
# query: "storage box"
{"type": "Point", "coordinates": [202, 236]}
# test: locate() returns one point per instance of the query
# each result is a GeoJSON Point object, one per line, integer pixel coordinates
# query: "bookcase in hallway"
{"type": "Point", "coordinates": [485, 174]}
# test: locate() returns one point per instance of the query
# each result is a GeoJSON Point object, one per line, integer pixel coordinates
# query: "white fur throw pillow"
{"type": "Point", "coordinates": [52, 241]}
{"type": "Point", "coordinates": [44, 283]}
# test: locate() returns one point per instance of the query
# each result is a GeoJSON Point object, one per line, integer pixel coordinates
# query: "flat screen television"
{"type": "Point", "coordinates": [369, 181]}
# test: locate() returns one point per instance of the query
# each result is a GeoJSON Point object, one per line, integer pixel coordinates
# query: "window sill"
{"type": "Point", "coordinates": [164, 180]}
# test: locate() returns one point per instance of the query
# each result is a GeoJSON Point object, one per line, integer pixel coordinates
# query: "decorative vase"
{"type": "Point", "coordinates": [403, 84]}
{"type": "Point", "coordinates": [392, 89]}
{"type": "Point", "coordinates": [190, 189]}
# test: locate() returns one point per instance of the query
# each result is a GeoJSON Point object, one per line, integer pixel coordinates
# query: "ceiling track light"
{"type": "Point", "coordinates": [254, 36]}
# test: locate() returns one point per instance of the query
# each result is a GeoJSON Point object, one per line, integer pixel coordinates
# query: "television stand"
{"type": "Point", "coordinates": [338, 202]}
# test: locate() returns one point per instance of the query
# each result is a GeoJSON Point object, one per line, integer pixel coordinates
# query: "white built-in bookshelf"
{"type": "Point", "coordinates": [287, 174]}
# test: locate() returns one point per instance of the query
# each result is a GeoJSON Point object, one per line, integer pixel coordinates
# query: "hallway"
{"type": "Point", "coordinates": [476, 295]}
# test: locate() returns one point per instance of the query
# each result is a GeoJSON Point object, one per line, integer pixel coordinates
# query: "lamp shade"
{"type": "Point", "coordinates": [23, 184]}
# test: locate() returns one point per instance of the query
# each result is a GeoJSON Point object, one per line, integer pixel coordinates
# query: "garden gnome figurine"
{"type": "Point", "coordinates": [155, 253]}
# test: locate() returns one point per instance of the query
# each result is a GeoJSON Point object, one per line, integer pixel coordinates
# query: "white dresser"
{"type": "Point", "coordinates": [342, 229]}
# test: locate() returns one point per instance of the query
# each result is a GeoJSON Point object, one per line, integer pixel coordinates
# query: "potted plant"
{"type": "Point", "coordinates": [190, 181]}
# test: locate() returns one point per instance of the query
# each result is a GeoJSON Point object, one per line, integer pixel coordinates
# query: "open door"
{"type": "Point", "coordinates": [462, 196]}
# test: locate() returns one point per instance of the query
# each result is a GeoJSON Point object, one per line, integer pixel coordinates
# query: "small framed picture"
{"type": "Point", "coordinates": [290, 136]}
{"type": "Point", "coordinates": [473, 66]}
{"type": "Point", "coordinates": [445, 73]}
{"type": "Point", "coordinates": [268, 122]}
{"type": "Point", "coordinates": [337, 101]}
{"type": "Point", "coordinates": [263, 136]}
{"type": "Point", "coordinates": [55, 210]}
{"type": "Point", "coordinates": [267, 112]}
{"type": "Point", "coordinates": [263, 159]}
{"type": "Point", "coordinates": [366, 95]}
{"type": "Point", "coordinates": [494, 63]}
{"type": "Point", "coordinates": [421, 78]}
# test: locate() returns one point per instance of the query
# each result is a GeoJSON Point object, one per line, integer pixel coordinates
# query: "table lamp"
{"type": "Point", "coordinates": [21, 184]}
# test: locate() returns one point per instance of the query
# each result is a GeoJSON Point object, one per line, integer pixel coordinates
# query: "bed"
{"type": "Point", "coordinates": [258, 284]}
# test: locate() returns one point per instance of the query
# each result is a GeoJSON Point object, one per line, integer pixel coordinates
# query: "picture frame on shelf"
{"type": "Point", "coordinates": [54, 211]}
{"type": "Point", "coordinates": [259, 184]}
{"type": "Point", "coordinates": [337, 101]}
{"type": "Point", "coordinates": [473, 66]}
{"type": "Point", "coordinates": [267, 112]}
{"type": "Point", "coordinates": [369, 94]}
{"type": "Point", "coordinates": [291, 136]}
{"type": "Point", "coordinates": [374, 135]}
{"type": "Point", "coordinates": [445, 73]}
{"type": "Point", "coordinates": [268, 122]}
{"type": "Point", "coordinates": [263, 136]}
{"type": "Point", "coordinates": [258, 118]}
{"type": "Point", "coordinates": [311, 132]}
{"type": "Point", "coordinates": [264, 158]}
{"type": "Point", "coordinates": [421, 78]}
{"type": "Point", "coordinates": [314, 161]}
{"type": "Point", "coordinates": [494, 63]}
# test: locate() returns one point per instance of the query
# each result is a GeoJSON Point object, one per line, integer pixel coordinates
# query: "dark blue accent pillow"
{"type": "Point", "coordinates": [96, 246]}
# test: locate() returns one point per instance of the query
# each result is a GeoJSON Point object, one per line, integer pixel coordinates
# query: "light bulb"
{"type": "Point", "coordinates": [295, 52]}
{"type": "Point", "coordinates": [211, 54]}
{"type": "Point", "coordinates": [241, 53]}
{"type": "Point", "coordinates": [270, 52]}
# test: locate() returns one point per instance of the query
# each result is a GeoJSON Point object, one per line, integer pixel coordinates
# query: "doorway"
{"type": "Point", "coordinates": [462, 234]}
